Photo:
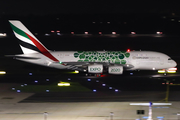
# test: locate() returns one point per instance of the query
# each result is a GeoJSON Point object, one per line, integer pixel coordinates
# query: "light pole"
{"type": "Point", "coordinates": [111, 115]}
{"type": "Point", "coordinates": [45, 115]}
{"type": "Point", "coordinates": [150, 111]}
{"type": "Point", "coordinates": [178, 115]}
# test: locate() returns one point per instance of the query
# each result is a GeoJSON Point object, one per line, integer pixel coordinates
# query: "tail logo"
{"type": "Point", "coordinates": [29, 41]}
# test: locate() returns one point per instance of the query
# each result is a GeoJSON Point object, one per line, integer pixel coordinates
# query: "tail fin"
{"type": "Point", "coordinates": [28, 42]}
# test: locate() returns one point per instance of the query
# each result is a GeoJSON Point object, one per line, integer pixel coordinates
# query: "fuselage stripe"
{"type": "Point", "coordinates": [42, 49]}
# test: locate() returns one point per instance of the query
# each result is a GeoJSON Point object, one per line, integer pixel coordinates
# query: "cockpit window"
{"type": "Point", "coordinates": [169, 59]}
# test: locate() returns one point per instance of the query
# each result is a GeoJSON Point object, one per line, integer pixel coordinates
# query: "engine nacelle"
{"type": "Point", "coordinates": [115, 69]}
{"type": "Point", "coordinates": [95, 68]}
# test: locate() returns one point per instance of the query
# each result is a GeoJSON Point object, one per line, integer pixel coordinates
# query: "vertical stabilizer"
{"type": "Point", "coordinates": [28, 42]}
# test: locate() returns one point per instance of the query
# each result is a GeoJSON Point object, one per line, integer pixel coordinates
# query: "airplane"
{"type": "Point", "coordinates": [97, 62]}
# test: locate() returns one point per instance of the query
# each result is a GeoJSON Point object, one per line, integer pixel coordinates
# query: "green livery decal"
{"type": "Point", "coordinates": [117, 57]}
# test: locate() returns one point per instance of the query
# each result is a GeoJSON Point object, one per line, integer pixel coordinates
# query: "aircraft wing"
{"type": "Point", "coordinates": [84, 65]}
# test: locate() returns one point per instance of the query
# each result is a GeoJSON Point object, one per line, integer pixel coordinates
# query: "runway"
{"type": "Point", "coordinates": [79, 106]}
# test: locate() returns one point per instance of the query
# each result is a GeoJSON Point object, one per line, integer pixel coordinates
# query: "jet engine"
{"type": "Point", "coordinates": [115, 70]}
{"type": "Point", "coordinates": [96, 68]}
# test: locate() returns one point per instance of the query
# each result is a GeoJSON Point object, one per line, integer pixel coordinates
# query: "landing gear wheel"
{"type": "Point", "coordinates": [98, 75]}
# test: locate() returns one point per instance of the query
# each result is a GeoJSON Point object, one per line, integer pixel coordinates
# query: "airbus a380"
{"type": "Point", "coordinates": [113, 62]}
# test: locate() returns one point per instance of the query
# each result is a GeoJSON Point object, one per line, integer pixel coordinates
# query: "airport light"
{"type": "Point", "coordinates": [13, 88]}
{"type": "Point", "coordinates": [47, 90]}
{"type": "Point", "coordinates": [159, 33]}
{"type": "Point", "coordinates": [100, 33]}
{"type": "Point", "coordinates": [86, 33]}
{"type": "Point", "coordinates": [94, 90]}
{"type": "Point", "coordinates": [113, 33]}
{"type": "Point", "coordinates": [97, 80]}
{"type": "Point", "coordinates": [47, 80]}
{"type": "Point", "coordinates": [36, 81]}
{"type": "Point", "coordinates": [58, 31]}
{"type": "Point", "coordinates": [110, 88]}
{"type": "Point", "coordinates": [133, 33]}
{"type": "Point", "coordinates": [116, 90]}
{"type": "Point", "coordinates": [103, 84]}
{"type": "Point", "coordinates": [18, 91]}
{"type": "Point", "coordinates": [46, 34]}
{"type": "Point", "coordinates": [76, 71]}
{"type": "Point", "coordinates": [3, 34]}
{"type": "Point", "coordinates": [63, 84]}
{"type": "Point", "coordinates": [170, 70]}
{"type": "Point", "coordinates": [69, 78]}
{"type": "Point", "coordinates": [52, 31]}
{"type": "Point", "coordinates": [2, 72]}
{"type": "Point", "coordinates": [72, 33]}
{"type": "Point", "coordinates": [161, 71]}
{"type": "Point", "coordinates": [30, 73]}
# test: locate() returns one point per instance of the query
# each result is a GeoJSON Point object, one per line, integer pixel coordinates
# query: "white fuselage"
{"type": "Point", "coordinates": [148, 60]}
{"type": "Point", "coordinates": [140, 60]}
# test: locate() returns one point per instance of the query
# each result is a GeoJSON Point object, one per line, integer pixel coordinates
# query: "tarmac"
{"type": "Point", "coordinates": [12, 107]}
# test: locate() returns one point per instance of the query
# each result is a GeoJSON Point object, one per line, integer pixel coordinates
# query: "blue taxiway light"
{"type": "Point", "coordinates": [30, 73]}
{"type": "Point", "coordinates": [94, 90]}
{"type": "Point", "coordinates": [18, 91]}
{"type": "Point", "coordinates": [36, 81]}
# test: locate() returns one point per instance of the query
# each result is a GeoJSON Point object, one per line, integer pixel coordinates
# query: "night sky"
{"type": "Point", "coordinates": [46, 7]}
